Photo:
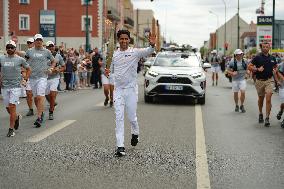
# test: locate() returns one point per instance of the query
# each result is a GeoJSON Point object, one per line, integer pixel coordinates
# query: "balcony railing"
{"type": "Point", "coordinates": [113, 14]}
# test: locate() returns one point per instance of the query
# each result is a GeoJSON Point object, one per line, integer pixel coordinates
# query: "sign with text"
{"type": "Point", "coordinates": [264, 30]}
{"type": "Point", "coordinates": [47, 23]}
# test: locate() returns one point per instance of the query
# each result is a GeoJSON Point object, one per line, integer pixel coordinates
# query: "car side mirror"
{"type": "Point", "coordinates": [206, 65]}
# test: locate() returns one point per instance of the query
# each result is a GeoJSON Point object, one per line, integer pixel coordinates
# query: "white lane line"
{"type": "Point", "coordinates": [51, 130]}
{"type": "Point", "coordinates": [100, 104]}
{"type": "Point", "coordinates": [202, 174]}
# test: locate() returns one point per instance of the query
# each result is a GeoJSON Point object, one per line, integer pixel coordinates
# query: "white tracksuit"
{"type": "Point", "coordinates": [124, 69]}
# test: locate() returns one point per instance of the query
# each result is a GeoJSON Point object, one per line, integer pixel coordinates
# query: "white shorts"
{"type": "Point", "coordinates": [28, 86]}
{"type": "Point", "coordinates": [106, 80]}
{"type": "Point", "coordinates": [215, 69]}
{"type": "Point", "coordinates": [38, 86]}
{"type": "Point", "coordinates": [239, 85]}
{"type": "Point", "coordinates": [281, 95]}
{"type": "Point", "coordinates": [11, 96]}
{"type": "Point", "coordinates": [52, 85]}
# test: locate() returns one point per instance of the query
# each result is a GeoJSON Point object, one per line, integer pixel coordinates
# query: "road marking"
{"type": "Point", "coordinates": [202, 174]}
{"type": "Point", "coordinates": [100, 104]}
{"type": "Point", "coordinates": [51, 130]}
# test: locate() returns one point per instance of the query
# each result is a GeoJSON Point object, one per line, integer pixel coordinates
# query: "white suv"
{"type": "Point", "coordinates": [176, 74]}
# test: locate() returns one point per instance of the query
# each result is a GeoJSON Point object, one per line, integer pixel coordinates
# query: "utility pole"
{"type": "Point", "coordinates": [273, 26]}
{"type": "Point", "coordinates": [238, 24]}
{"type": "Point", "coordinates": [225, 36]}
{"type": "Point", "coordinates": [137, 27]}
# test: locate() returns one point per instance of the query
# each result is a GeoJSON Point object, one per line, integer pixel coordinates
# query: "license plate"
{"type": "Point", "coordinates": [174, 88]}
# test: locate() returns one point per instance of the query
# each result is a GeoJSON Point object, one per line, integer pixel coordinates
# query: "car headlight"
{"type": "Point", "coordinates": [196, 75]}
{"type": "Point", "coordinates": [153, 74]}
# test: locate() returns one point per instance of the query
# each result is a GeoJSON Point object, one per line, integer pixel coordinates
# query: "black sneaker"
{"type": "Point", "coordinates": [111, 103]}
{"type": "Point", "coordinates": [237, 108]}
{"type": "Point", "coordinates": [50, 116]}
{"type": "Point", "coordinates": [282, 124]}
{"type": "Point", "coordinates": [38, 122]}
{"type": "Point", "coordinates": [242, 108]}
{"type": "Point", "coordinates": [17, 122]}
{"type": "Point", "coordinates": [266, 123]}
{"type": "Point", "coordinates": [260, 118]}
{"type": "Point", "coordinates": [30, 112]}
{"type": "Point", "coordinates": [11, 133]}
{"type": "Point", "coordinates": [120, 151]}
{"type": "Point", "coordinates": [216, 83]}
{"type": "Point", "coordinates": [134, 140]}
{"type": "Point", "coordinates": [106, 102]}
{"type": "Point", "coordinates": [279, 115]}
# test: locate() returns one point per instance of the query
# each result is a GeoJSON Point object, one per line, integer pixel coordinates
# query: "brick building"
{"type": "Point", "coordinates": [21, 19]}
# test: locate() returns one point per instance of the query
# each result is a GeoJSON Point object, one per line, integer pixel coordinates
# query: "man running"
{"type": "Point", "coordinates": [39, 58]}
{"type": "Point", "coordinates": [108, 85]}
{"type": "Point", "coordinates": [53, 78]}
{"type": "Point", "coordinates": [29, 92]}
{"type": "Point", "coordinates": [215, 67]}
{"type": "Point", "coordinates": [237, 69]}
{"type": "Point", "coordinates": [124, 69]}
{"type": "Point", "coordinates": [264, 66]}
{"type": "Point", "coordinates": [10, 82]}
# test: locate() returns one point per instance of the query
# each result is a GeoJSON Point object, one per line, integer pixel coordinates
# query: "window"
{"type": "Point", "coordinates": [83, 23]}
{"type": "Point", "coordinates": [24, 22]}
{"type": "Point", "coordinates": [83, 2]}
{"type": "Point", "coordinates": [24, 1]}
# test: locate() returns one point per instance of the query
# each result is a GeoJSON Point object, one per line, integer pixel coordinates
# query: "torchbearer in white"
{"type": "Point", "coordinates": [124, 70]}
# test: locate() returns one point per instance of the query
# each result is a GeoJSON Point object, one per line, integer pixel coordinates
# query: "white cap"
{"type": "Point", "coordinates": [214, 51]}
{"type": "Point", "coordinates": [238, 51]}
{"type": "Point", "coordinates": [30, 40]}
{"type": "Point", "coordinates": [38, 36]}
{"type": "Point", "coordinates": [49, 43]}
{"type": "Point", "coordinates": [11, 42]}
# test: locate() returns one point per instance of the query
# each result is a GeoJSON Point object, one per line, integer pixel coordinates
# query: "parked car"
{"type": "Point", "coordinates": [176, 74]}
{"type": "Point", "coordinates": [148, 63]}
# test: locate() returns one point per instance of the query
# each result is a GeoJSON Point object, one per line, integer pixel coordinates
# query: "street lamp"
{"type": "Point", "coordinates": [216, 29]}
{"type": "Point", "coordinates": [225, 36]}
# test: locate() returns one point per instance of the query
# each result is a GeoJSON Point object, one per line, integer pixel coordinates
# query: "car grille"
{"type": "Point", "coordinates": [181, 80]}
{"type": "Point", "coordinates": [162, 91]}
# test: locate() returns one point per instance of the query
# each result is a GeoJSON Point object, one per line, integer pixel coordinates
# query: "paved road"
{"type": "Point", "coordinates": [79, 153]}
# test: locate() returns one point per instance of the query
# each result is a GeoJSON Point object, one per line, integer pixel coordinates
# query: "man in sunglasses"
{"type": "Point", "coordinates": [39, 59]}
{"type": "Point", "coordinates": [10, 81]}
{"type": "Point", "coordinates": [53, 78]}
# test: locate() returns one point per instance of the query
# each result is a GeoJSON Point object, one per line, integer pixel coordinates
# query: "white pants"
{"type": "Point", "coordinates": [52, 85]}
{"type": "Point", "coordinates": [38, 86]}
{"type": "Point", "coordinates": [239, 85]}
{"type": "Point", "coordinates": [125, 98]}
{"type": "Point", "coordinates": [11, 96]}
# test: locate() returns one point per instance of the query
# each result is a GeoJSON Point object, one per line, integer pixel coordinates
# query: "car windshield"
{"type": "Point", "coordinates": [176, 61]}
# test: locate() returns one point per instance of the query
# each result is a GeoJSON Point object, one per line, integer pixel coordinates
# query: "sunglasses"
{"type": "Point", "coordinates": [29, 43]}
{"type": "Point", "coordinates": [38, 39]}
{"type": "Point", "coordinates": [10, 47]}
{"type": "Point", "coordinates": [50, 46]}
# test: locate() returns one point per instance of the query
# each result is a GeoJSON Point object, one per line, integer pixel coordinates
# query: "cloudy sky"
{"type": "Point", "coordinates": [189, 21]}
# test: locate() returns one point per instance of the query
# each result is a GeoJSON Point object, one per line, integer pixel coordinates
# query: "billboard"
{"type": "Point", "coordinates": [47, 23]}
{"type": "Point", "coordinates": [264, 29]}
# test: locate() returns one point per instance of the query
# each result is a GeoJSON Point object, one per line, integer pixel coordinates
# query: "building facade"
{"type": "Point", "coordinates": [21, 20]}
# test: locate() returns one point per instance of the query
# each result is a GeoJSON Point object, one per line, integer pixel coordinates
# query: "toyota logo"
{"type": "Point", "coordinates": [174, 76]}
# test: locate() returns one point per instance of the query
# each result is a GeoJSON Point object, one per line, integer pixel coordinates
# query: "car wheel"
{"type": "Point", "coordinates": [201, 100]}
{"type": "Point", "coordinates": [148, 99]}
